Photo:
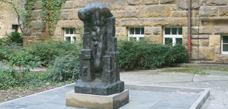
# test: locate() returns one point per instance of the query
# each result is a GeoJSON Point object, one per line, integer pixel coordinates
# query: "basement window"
{"type": "Point", "coordinates": [224, 45]}
{"type": "Point", "coordinates": [173, 36]}
{"type": "Point", "coordinates": [69, 35]}
{"type": "Point", "coordinates": [135, 33]}
{"type": "Point", "coordinates": [15, 28]}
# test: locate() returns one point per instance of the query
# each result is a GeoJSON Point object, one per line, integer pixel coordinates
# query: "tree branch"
{"type": "Point", "coordinates": [16, 10]}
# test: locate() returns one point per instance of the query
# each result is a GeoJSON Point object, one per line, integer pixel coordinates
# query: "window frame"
{"type": "Point", "coordinates": [223, 52]}
{"type": "Point", "coordinates": [174, 37]}
{"type": "Point", "coordinates": [15, 27]}
{"type": "Point", "coordinates": [137, 36]}
{"type": "Point", "coordinates": [70, 35]}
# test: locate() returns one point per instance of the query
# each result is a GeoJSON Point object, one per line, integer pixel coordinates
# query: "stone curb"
{"type": "Point", "coordinates": [196, 105]}
{"type": "Point", "coordinates": [205, 93]}
{"type": "Point", "coordinates": [201, 100]}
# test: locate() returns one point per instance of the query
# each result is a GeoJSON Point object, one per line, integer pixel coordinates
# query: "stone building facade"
{"type": "Point", "coordinates": [160, 21]}
{"type": "Point", "coordinates": [8, 20]}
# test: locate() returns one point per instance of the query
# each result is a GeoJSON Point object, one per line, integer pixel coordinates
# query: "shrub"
{"type": "Point", "coordinates": [65, 68]}
{"type": "Point", "coordinates": [48, 51]}
{"type": "Point", "coordinates": [18, 56]}
{"type": "Point", "coordinates": [31, 79]}
{"type": "Point", "coordinates": [10, 78]}
{"type": "Point", "coordinates": [16, 38]}
{"type": "Point", "coordinates": [145, 55]}
{"type": "Point", "coordinates": [176, 55]}
{"type": "Point", "coordinates": [22, 58]}
{"type": "Point", "coordinates": [7, 80]}
{"type": "Point", "coordinates": [7, 50]}
{"type": "Point", "coordinates": [3, 42]}
{"type": "Point", "coordinates": [43, 53]}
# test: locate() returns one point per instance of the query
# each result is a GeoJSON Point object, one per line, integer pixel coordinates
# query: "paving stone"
{"type": "Point", "coordinates": [141, 97]}
{"type": "Point", "coordinates": [218, 98]}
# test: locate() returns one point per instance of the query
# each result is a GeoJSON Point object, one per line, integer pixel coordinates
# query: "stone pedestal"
{"type": "Point", "coordinates": [99, 88]}
{"type": "Point", "coordinates": [91, 101]}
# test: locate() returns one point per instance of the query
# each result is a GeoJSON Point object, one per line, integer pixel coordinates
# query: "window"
{"type": "Point", "coordinates": [69, 35]}
{"type": "Point", "coordinates": [15, 28]}
{"type": "Point", "coordinates": [224, 45]}
{"type": "Point", "coordinates": [135, 33]}
{"type": "Point", "coordinates": [173, 35]}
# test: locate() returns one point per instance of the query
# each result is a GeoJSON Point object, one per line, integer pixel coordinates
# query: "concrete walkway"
{"type": "Point", "coordinates": [217, 82]}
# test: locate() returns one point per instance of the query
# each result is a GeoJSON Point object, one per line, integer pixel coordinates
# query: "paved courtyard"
{"type": "Point", "coordinates": [141, 97]}
{"type": "Point", "coordinates": [216, 81]}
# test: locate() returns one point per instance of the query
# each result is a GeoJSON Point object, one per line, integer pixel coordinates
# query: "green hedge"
{"type": "Point", "coordinates": [132, 55]}
{"type": "Point", "coordinates": [63, 59]}
{"type": "Point", "coordinates": [146, 55]}
{"type": "Point", "coordinates": [37, 54]}
{"type": "Point", "coordinates": [48, 51]}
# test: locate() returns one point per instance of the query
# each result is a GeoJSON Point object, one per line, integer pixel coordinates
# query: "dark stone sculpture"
{"type": "Point", "coordinates": [99, 72]}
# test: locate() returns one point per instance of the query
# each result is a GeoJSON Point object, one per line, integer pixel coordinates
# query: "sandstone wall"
{"type": "Point", "coordinates": [209, 21]}
{"type": "Point", "coordinates": [152, 14]}
{"type": "Point", "coordinates": [213, 17]}
{"type": "Point", "coordinates": [7, 18]}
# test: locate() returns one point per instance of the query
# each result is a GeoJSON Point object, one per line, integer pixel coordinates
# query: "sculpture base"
{"type": "Point", "coordinates": [90, 101]}
{"type": "Point", "coordinates": [99, 88]}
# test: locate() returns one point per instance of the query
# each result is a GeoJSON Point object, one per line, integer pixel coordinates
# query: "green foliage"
{"type": "Point", "coordinates": [175, 55]}
{"type": "Point", "coordinates": [42, 53]}
{"type": "Point", "coordinates": [16, 38]}
{"type": "Point", "coordinates": [2, 42]}
{"type": "Point", "coordinates": [65, 57]}
{"type": "Point", "coordinates": [22, 58]}
{"type": "Point", "coordinates": [27, 13]}
{"type": "Point", "coordinates": [10, 78]}
{"type": "Point", "coordinates": [7, 80]}
{"type": "Point", "coordinates": [13, 38]}
{"type": "Point", "coordinates": [48, 51]}
{"type": "Point", "coordinates": [34, 79]}
{"type": "Point", "coordinates": [51, 13]}
{"type": "Point", "coordinates": [65, 68]}
{"type": "Point", "coordinates": [7, 50]}
{"type": "Point", "coordinates": [145, 55]}
{"type": "Point", "coordinates": [18, 56]}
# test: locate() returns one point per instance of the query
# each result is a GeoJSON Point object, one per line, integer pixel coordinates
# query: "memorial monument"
{"type": "Point", "coordinates": [99, 85]}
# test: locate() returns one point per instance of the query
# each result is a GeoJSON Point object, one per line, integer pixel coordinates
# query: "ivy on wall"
{"type": "Point", "coordinates": [27, 14]}
{"type": "Point", "coordinates": [19, 11]}
{"type": "Point", "coordinates": [50, 14]}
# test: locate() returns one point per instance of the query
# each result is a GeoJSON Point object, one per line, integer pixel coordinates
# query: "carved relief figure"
{"type": "Point", "coordinates": [99, 72]}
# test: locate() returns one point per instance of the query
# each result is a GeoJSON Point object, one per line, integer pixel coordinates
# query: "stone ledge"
{"type": "Point", "coordinates": [97, 101]}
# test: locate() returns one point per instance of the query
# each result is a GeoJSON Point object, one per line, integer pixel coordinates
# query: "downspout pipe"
{"type": "Point", "coordinates": [190, 29]}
